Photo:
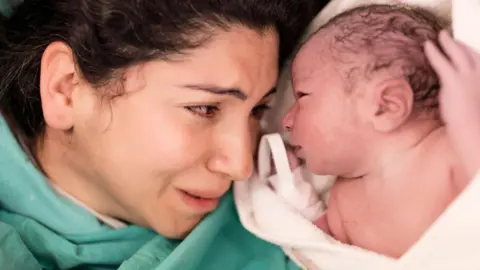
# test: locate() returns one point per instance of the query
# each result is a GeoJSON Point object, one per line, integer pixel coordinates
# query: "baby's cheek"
{"type": "Point", "coordinates": [301, 127]}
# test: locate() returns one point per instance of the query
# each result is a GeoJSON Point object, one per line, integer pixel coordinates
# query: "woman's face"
{"type": "Point", "coordinates": [162, 154]}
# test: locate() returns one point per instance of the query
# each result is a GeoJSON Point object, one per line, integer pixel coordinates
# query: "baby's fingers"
{"type": "Point", "coordinates": [293, 160]}
{"type": "Point", "coordinates": [439, 62]}
{"type": "Point", "coordinates": [454, 51]}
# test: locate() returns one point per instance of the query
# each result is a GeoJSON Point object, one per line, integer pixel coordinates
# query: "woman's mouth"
{"type": "Point", "coordinates": [202, 201]}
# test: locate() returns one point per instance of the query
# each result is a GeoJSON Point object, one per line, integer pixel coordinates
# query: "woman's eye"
{"type": "Point", "coordinates": [259, 110]}
{"type": "Point", "coordinates": [206, 111]}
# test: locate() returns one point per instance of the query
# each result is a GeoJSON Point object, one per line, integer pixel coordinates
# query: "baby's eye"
{"type": "Point", "coordinates": [259, 110]}
{"type": "Point", "coordinates": [206, 111]}
{"type": "Point", "coordinates": [299, 94]}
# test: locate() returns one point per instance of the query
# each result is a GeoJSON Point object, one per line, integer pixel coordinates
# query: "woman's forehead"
{"type": "Point", "coordinates": [248, 64]}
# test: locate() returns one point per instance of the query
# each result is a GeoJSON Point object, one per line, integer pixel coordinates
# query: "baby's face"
{"type": "Point", "coordinates": [326, 129]}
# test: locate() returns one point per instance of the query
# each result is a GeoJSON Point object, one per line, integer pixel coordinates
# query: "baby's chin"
{"type": "Point", "coordinates": [315, 168]}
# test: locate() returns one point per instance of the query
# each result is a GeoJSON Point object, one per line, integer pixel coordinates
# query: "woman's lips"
{"type": "Point", "coordinates": [201, 201]}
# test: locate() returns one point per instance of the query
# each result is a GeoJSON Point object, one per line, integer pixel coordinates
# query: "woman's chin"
{"type": "Point", "coordinates": [178, 229]}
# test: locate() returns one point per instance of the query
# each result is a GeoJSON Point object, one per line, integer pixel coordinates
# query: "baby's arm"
{"type": "Point", "coordinates": [459, 74]}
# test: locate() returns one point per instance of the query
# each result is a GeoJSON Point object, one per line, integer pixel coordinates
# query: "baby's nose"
{"type": "Point", "coordinates": [288, 119]}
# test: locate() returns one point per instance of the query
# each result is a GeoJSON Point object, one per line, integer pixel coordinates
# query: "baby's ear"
{"type": "Point", "coordinates": [391, 106]}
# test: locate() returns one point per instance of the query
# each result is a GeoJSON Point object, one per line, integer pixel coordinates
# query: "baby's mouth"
{"type": "Point", "coordinates": [297, 150]}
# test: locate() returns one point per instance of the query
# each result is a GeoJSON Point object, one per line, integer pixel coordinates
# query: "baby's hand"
{"type": "Point", "coordinates": [459, 74]}
{"type": "Point", "coordinates": [293, 160]}
{"type": "Point", "coordinates": [296, 192]}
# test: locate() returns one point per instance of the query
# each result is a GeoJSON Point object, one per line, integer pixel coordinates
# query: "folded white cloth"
{"type": "Point", "coordinates": [302, 197]}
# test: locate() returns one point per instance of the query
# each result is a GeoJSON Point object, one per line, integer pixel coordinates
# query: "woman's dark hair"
{"type": "Point", "coordinates": [108, 36]}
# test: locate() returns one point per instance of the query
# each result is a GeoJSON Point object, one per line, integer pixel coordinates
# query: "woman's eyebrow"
{"type": "Point", "coordinates": [271, 92]}
{"type": "Point", "coordinates": [218, 90]}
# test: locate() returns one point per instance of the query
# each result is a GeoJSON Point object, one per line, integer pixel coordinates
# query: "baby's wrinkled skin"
{"type": "Point", "coordinates": [367, 111]}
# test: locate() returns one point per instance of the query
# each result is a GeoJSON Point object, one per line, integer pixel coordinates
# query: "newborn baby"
{"type": "Point", "coordinates": [367, 111]}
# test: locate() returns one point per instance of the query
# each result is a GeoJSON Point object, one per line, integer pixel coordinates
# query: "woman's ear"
{"type": "Point", "coordinates": [58, 78]}
{"type": "Point", "coordinates": [391, 104]}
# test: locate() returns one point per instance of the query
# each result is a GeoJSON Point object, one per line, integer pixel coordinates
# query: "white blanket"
{"type": "Point", "coordinates": [452, 242]}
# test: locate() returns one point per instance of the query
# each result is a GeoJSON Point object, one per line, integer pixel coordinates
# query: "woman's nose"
{"type": "Point", "coordinates": [234, 154]}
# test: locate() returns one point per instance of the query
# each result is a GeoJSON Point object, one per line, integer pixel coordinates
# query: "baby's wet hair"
{"type": "Point", "coordinates": [387, 37]}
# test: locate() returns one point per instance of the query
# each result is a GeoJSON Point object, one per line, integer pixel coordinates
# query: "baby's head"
{"type": "Point", "coordinates": [361, 82]}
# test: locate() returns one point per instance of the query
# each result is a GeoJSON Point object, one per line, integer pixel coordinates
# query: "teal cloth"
{"type": "Point", "coordinates": [40, 229]}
